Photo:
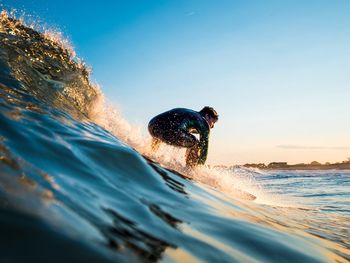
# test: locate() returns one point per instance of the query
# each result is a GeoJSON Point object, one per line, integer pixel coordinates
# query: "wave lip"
{"type": "Point", "coordinates": [46, 67]}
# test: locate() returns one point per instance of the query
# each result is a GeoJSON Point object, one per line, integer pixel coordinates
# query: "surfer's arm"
{"type": "Point", "coordinates": [202, 128]}
{"type": "Point", "coordinates": [203, 146]}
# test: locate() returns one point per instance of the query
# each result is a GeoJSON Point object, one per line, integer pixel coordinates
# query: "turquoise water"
{"type": "Point", "coordinates": [74, 186]}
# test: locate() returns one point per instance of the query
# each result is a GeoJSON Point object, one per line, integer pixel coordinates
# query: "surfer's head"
{"type": "Point", "coordinates": [210, 115]}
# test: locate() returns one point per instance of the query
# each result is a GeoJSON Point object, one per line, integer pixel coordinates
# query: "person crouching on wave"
{"type": "Point", "coordinates": [176, 127]}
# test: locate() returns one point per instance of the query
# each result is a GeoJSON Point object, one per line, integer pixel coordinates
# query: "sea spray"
{"type": "Point", "coordinates": [232, 182]}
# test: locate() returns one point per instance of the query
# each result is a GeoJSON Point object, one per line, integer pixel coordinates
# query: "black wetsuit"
{"type": "Point", "coordinates": [175, 127]}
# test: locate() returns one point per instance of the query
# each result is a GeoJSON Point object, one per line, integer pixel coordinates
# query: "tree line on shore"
{"type": "Point", "coordinates": [312, 166]}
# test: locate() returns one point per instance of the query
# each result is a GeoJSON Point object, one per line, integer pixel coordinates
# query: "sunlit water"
{"type": "Point", "coordinates": [74, 186]}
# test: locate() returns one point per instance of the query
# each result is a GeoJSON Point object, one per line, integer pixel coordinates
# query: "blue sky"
{"type": "Point", "coordinates": [278, 72]}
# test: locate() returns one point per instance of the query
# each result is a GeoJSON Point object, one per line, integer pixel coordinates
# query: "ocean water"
{"type": "Point", "coordinates": [79, 184]}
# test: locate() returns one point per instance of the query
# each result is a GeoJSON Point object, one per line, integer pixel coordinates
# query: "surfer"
{"type": "Point", "coordinates": [176, 127]}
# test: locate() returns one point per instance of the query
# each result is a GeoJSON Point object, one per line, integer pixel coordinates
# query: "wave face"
{"type": "Point", "coordinates": [72, 189]}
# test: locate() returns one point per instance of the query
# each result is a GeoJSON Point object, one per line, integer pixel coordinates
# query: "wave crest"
{"type": "Point", "coordinates": [46, 66]}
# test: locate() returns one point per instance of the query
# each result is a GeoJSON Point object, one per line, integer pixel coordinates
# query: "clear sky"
{"type": "Point", "coordinates": [278, 72]}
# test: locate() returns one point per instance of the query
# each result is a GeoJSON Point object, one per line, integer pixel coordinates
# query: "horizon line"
{"type": "Point", "coordinates": [298, 147]}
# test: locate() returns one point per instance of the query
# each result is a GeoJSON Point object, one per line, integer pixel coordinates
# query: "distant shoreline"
{"type": "Point", "coordinates": [292, 167]}
{"type": "Point", "coordinates": [311, 166]}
